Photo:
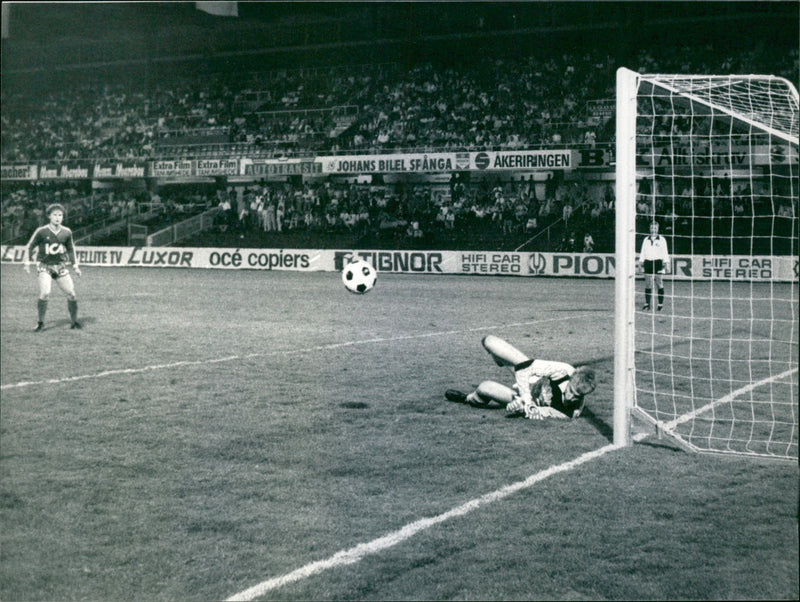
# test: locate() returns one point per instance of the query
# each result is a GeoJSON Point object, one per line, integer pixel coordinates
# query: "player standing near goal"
{"type": "Point", "coordinates": [654, 258]}
{"type": "Point", "coordinates": [53, 248]}
{"type": "Point", "coordinates": [543, 388]}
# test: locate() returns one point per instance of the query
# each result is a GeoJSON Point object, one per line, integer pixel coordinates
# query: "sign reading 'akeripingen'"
{"type": "Point", "coordinates": [422, 163]}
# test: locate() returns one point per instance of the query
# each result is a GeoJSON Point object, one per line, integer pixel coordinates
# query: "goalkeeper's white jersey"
{"type": "Point", "coordinates": [556, 371]}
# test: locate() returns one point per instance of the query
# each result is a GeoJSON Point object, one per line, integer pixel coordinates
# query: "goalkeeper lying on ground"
{"type": "Point", "coordinates": [543, 389]}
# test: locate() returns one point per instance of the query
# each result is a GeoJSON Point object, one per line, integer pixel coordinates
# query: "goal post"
{"type": "Point", "coordinates": [714, 161]}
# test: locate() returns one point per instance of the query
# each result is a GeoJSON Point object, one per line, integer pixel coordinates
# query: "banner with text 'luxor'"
{"type": "Point", "coordinates": [483, 263]}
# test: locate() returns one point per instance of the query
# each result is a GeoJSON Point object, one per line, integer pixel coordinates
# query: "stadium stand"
{"type": "Point", "coordinates": [526, 101]}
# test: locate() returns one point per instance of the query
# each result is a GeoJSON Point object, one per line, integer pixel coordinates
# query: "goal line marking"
{"type": "Point", "coordinates": [360, 551]}
{"type": "Point", "coordinates": [233, 358]}
{"type": "Point", "coordinates": [669, 426]}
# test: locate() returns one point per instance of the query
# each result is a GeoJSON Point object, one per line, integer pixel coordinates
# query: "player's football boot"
{"type": "Point", "coordinates": [39, 327]}
{"type": "Point", "coordinates": [76, 326]}
{"type": "Point", "coordinates": [660, 307]}
{"type": "Point", "coordinates": [646, 307]}
{"type": "Point", "coordinates": [456, 396]}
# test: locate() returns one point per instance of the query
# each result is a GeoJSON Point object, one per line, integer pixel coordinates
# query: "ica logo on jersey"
{"type": "Point", "coordinates": [55, 248]}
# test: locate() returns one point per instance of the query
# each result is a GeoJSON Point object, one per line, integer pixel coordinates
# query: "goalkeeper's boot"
{"type": "Point", "coordinates": [660, 307]}
{"type": "Point", "coordinates": [646, 307]}
{"type": "Point", "coordinates": [456, 396]}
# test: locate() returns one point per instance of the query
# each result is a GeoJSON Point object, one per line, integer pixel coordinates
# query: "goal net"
{"type": "Point", "coordinates": [714, 161]}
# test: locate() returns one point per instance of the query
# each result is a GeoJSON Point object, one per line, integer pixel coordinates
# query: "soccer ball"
{"type": "Point", "coordinates": [359, 277]}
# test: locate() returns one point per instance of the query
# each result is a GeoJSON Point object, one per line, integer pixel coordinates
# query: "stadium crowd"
{"type": "Point", "coordinates": [385, 214]}
{"type": "Point", "coordinates": [461, 213]}
{"type": "Point", "coordinates": [525, 102]}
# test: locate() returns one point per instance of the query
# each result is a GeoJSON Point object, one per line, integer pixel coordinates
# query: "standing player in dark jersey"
{"type": "Point", "coordinates": [53, 248]}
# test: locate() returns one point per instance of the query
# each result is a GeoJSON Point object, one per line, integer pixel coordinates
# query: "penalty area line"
{"type": "Point", "coordinates": [233, 358]}
{"type": "Point", "coordinates": [360, 551]}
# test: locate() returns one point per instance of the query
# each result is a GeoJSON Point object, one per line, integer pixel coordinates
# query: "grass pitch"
{"type": "Point", "coordinates": [209, 430]}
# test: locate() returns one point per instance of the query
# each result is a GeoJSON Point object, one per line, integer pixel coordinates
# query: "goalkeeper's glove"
{"type": "Point", "coordinates": [529, 408]}
{"type": "Point", "coordinates": [533, 412]}
{"type": "Point", "coordinates": [517, 405]}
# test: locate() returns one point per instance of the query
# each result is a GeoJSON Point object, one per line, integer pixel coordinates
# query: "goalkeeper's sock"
{"type": "Point", "coordinates": [660, 297]}
{"type": "Point", "coordinates": [41, 307]}
{"type": "Point", "coordinates": [647, 293]}
{"type": "Point", "coordinates": [477, 399]}
{"type": "Point", "coordinates": [72, 305]}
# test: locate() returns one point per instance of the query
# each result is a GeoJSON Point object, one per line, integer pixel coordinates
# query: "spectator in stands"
{"type": "Point", "coordinates": [568, 242]}
{"type": "Point", "coordinates": [280, 213]}
{"type": "Point", "coordinates": [508, 214]}
{"type": "Point", "coordinates": [242, 213]}
{"type": "Point", "coordinates": [225, 213]}
{"type": "Point", "coordinates": [261, 209]}
{"type": "Point", "coordinates": [270, 224]}
{"type": "Point", "coordinates": [588, 243]}
{"type": "Point", "coordinates": [566, 212]}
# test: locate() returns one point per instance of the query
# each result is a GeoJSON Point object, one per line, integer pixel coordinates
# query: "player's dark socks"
{"type": "Point", "coordinates": [39, 327]}
{"type": "Point", "coordinates": [647, 293]}
{"type": "Point", "coordinates": [72, 306]}
{"type": "Point", "coordinates": [41, 308]}
{"type": "Point", "coordinates": [660, 297]}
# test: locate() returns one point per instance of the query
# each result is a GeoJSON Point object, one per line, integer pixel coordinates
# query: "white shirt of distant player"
{"type": "Point", "coordinates": [654, 248]}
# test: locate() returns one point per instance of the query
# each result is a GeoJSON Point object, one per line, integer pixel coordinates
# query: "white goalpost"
{"type": "Point", "coordinates": [714, 161]}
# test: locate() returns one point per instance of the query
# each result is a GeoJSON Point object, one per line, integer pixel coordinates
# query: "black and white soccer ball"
{"type": "Point", "coordinates": [359, 276]}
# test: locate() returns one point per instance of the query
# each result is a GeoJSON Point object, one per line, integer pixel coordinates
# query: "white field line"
{"type": "Point", "coordinates": [233, 358]}
{"type": "Point", "coordinates": [360, 551]}
{"type": "Point", "coordinates": [669, 426]}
